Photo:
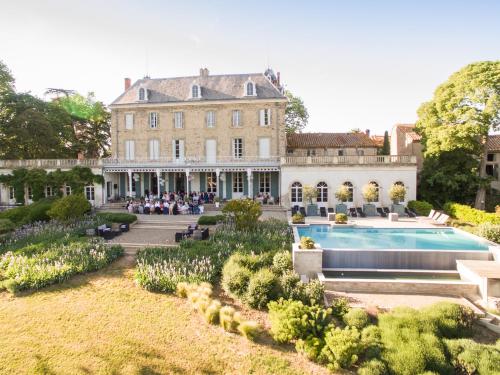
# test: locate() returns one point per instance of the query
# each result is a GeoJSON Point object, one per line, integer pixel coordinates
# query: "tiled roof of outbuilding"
{"type": "Point", "coordinates": [329, 140]}
{"type": "Point", "coordinates": [493, 143]}
{"type": "Point", "coordinates": [213, 87]}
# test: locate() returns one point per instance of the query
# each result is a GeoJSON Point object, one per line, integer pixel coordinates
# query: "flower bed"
{"type": "Point", "coordinates": [37, 266]}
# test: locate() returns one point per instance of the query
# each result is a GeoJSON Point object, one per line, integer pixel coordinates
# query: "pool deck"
{"type": "Point", "coordinates": [378, 222]}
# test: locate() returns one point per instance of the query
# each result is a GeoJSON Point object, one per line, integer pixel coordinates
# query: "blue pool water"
{"type": "Point", "coordinates": [391, 238]}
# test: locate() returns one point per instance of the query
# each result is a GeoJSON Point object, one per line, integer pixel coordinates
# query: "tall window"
{"type": "Point", "coordinates": [238, 182]}
{"type": "Point", "coordinates": [129, 150]}
{"type": "Point", "coordinates": [211, 182]}
{"type": "Point", "coordinates": [377, 187]}
{"type": "Point", "coordinates": [12, 192]}
{"type": "Point", "coordinates": [322, 188]}
{"type": "Point", "coordinates": [236, 118]}
{"type": "Point", "coordinates": [210, 119]}
{"type": "Point", "coordinates": [90, 193]}
{"type": "Point", "coordinates": [67, 190]}
{"type": "Point", "coordinates": [296, 192]}
{"type": "Point", "coordinates": [49, 191]}
{"type": "Point", "coordinates": [341, 152]}
{"type": "Point", "coordinates": [351, 190]}
{"type": "Point", "coordinates": [195, 91]}
{"type": "Point", "coordinates": [129, 121]}
{"type": "Point", "coordinates": [178, 120]}
{"type": "Point", "coordinates": [265, 182]}
{"type": "Point", "coordinates": [153, 120]}
{"type": "Point", "coordinates": [265, 117]}
{"type": "Point", "coordinates": [30, 192]}
{"type": "Point", "coordinates": [250, 89]}
{"type": "Point", "coordinates": [238, 148]}
{"type": "Point", "coordinates": [177, 149]}
{"type": "Point", "coordinates": [311, 152]}
{"type": "Point", "coordinates": [142, 94]}
{"type": "Point", "coordinates": [154, 149]}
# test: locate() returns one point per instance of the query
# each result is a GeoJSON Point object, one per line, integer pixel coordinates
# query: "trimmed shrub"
{"type": "Point", "coordinates": [340, 307]}
{"type": "Point", "coordinates": [469, 357]}
{"type": "Point", "coordinates": [235, 278]}
{"type": "Point", "coordinates": [212, 312]}
{"type": "Point", "coordinates": [293, 320]}
{"type": "Point", "coordinates": [182, 289]}
{"type": "Point", "coordinates": [6, 226]}
{"type": "Point", "coordinates": [282, 262]}
{"type": "Point", "coordinates": [470, 215]}
{"type": "Point", "coordinates": [371, 341]}
{"type": "Point", "coordinates": [356, 318]}
{"type": "Point", "coordinates": [489, 231]}
{"type": "Point", "coordinates": [291, 286]}
{"type": "Point", "coordinates": [342, 348]}
{"type": "Point", "coordinates": [70, 207]}
{"type": "Point", "coordinates": [250, 329]}
{"type": "Point", "coordinates": [451, 319]}
{"type": "Point", "coordinates": [310, 347]}
{"type": "Point", "coordinates": [254, 262]}
{"type": "Point", "coordinates": [227, 320]}
{"type": "Point", "coordinates": [244, 213]}
{"type": "Point", "coordinates": [117, 217]}
{"type": "Point", "coordinates": [262, 288]}
{"type": "Point", "coordinates": [298, 218]}
{"type": "Point", "coordinates": [314, 292]}
{"type": "Point", "coordinates": [210, 219]}
{"type": "Point", "coordinates": [18, 215]}
{"type": "Point", "coordinates": [373, 367]}
{"type": "Point", "coordinates": [340, 218]}
{"type": "Point", "coordinates": [306, 243]}
{"type": "Point", "coordinates": [422, 208]}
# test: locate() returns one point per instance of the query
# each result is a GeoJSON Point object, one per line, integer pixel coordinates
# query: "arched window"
{"type": "Point", "coordinates": [195, 91]}
{"type": "Point", "coordinates": [296, 193]}
{"type": "Point", "coordinates": [322, 192]}
{"type": "Point", "coordinates": [376, 185]}
{"type": "Point", "coordinates": [250, 89]}
{"type": "Point", "coordinates": [400, 183]}
{"type": "Point", "coordinates": [351, 190]}
{"type": "Point", "coordinates": [142, 94]}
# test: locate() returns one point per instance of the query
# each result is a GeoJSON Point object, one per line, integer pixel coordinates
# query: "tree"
{"type": "Point", "coordinates": [6, 80]}
{"type": "Point", "coordinates": [456, 122]}
{"type": "Point", "coordinates": [343, 193]}
{"type": "Point", "coordinates": [296, 115]}
{"type": "Point", "coordinates": [309, 193]}
{"type": "Point", "coordinates": [370, 192]}
{"type": "Point", "coordinates": [397, 193]}
{"type": "Point", "coordinates": [386, 147]}
{"type": "Point", "coordinates": [244, 213]}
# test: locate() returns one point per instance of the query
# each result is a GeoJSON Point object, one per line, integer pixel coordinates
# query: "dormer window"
{"type": "Point", "coordinates": [143, 94]}
{"type": "Point", "coordinates": [195, 91]}
{"type": "Point", "coordinates": [250, 88]}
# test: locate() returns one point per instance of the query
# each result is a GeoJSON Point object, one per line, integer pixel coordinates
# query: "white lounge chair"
{"type": "Point", "coordinates": [433, 215]}
{"type": "Point", "coordinates": [441, 220]}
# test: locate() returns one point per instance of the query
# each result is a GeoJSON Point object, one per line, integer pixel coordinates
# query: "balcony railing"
{"type": "Point", "coordinates": [50, 163]}
{"type": "Point", "coordinates": [194, 161]}
{"type": "Point", "coordinates": [349, 160]}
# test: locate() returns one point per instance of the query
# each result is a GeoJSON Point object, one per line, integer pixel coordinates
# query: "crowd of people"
{"type": "Point", "coordinates": [170, 203]}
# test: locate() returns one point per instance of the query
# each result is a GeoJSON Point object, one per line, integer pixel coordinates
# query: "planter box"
{"type": "Point", "coordinates": [331, 217]}
{"type": "Point", "coordinates": [370, 209]}
{"type": "Point", "coordinates": [341, 208]}
{"type": "Point", "coordinates": [398, 209]}
{"type": "Point", "coordinates": [312, 210]}
{"type": "Point", "coordinates": [307, 262]}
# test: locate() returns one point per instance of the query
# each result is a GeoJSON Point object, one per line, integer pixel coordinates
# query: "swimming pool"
{"type": "Point", "coordinates": [391, 238]}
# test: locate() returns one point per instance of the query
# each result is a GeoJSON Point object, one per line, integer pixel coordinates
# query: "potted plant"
{"type": "Point", "coordinates": [340, 219]}
{"type": "Point", "coordinates": [298, 219]}
{"type": "Point", "coordinates": [342, 194]}
{"type": "Point", "coordinates": [306, 243]}
{"type": "Point", "coordinates": [370, 194]}
{"type": "Point", "coordinates": [310, 193]}
{"type": "Point", "coordinates": [397, 194]}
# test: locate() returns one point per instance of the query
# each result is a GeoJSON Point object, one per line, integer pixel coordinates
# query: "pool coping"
{"type": "Point", "coordinates": [492, 247]}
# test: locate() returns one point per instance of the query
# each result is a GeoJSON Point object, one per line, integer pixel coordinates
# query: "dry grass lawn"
{"type": "Point", "coordinates": [102, 323]}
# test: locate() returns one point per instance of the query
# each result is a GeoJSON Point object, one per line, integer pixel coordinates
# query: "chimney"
{"type": "Point", "coordinates": [367, 132]}
{"type": "Point", "coordinates": [127, 83]}
{"type": "Point", "coordinates": [203, 72]}
{"type": "Point", "coordinates": [278, 78]}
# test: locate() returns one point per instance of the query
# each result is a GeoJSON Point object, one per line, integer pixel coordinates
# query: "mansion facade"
{"type": "Point", "coordinates": [225, 134]}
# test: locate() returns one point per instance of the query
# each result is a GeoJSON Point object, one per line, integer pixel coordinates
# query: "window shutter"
{"type": "Point", "coordinates": [132, 150]}
{"type": "Point", "coordinates": [173, 149]}
{"type": "Point", "coordinates": [261, 117]}
{"type": "Point", "coordinates": [269, 117]}
{"type": "Point", "coordinates": [181, 149]}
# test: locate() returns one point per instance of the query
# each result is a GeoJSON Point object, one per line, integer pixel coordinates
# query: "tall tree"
{"type": "Point", "coordinates": [91, 122]}
{"type": "Point", "coordinates": [457, 121]}
{"type": "Point", "coordinates": [386, 147]}
{"type": "Point", "coordinates": [296, 115]}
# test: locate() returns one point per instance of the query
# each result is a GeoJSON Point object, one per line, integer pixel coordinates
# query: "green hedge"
{"type": "Point", "coordinates": [422, 208]}
{"type": "Point", "coordinates": [210, 219]}
{"type": "Point", "coordinates": [6, 226]}
{"type": "Point", "coordinates": [30, 213]}
{"type": "Point", "coordinates": [470, 215]}
{"type": "Point", "coordinates": [117, 217]}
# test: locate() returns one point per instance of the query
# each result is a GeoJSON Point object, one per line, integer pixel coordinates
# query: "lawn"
{"type": "Point", "coordinates": [102, 323]}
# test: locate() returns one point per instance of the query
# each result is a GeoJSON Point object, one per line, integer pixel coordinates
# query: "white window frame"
{"type": "Point", "coordinates": [265, 117]}
{"type": "Point", "coordinates": [67, 190]}
{"type": "Point", "coordinates": [145, 94]}
{"type": "Point", "coordinates": [322, 189]}
{"type": "Point", "coordinates": [296, 192]}
{"type": "Point", "coordinates": [350, 187]}
{"type": "Point", "coordinates": [154, 118]}
{"type": "Point", "coordinates": [198, 91]}
{"type": "Point", "coordinates": [49, 191]}
{"type": "Point", "coordinates": [237, 148]}
{"type": "Point", "coordinates": [12, 193]}
{"type": "Point", "coordinates": [246, 92]}
{"type": "Point", "coordinates": [30, 193]}
{"type": "Point", "coordinates": [129, 149]}
{"type": "Point", "coordinates": [210, 119]}
{"type": "Point", "coordinates": [178, 120]}
{"type": "Point", "coordinates": [129, 121]}
{"type": "Point", "coordinates": [90, 193]}
{"type": "Point", "coordinates": [178, 149]}
{"type": "Point", "coordinates": [267, 154]}
{"type": "Point", "coordinates": [211, 182]}
{"type": "Point", "coordinates": [265, 182]}
{"type": "Point", "coordinates": [238, 182]}
{"type": "Point", "coordinates": [154, 149]}
{"type": "Point", "coordinates": [236, 118]}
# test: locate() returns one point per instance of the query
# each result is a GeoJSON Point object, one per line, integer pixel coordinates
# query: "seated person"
{"type": "Point", "coordinates": [157, 207]}
{"type": "Point", "coordinates": [147, 208]}
{"type": "Point", "coordinates": [201, 208]}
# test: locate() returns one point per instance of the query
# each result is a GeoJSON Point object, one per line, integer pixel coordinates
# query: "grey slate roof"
{"type": "Point", "coordinates": [213, 87]}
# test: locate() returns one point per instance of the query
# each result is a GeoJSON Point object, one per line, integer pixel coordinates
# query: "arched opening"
{"type": "Point", "coordinates": [351, 190]}
{"type": "Point", "coordinates": [322, 188]}
{"type": "Point", "coordinates": [296, 192]}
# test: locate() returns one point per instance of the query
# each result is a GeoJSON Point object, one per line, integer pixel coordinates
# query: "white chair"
{"type": "Point", "coordinates": [441, 220]}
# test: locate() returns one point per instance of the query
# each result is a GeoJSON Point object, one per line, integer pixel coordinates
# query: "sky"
{"type": "Point", "coordinates": [356, 64]}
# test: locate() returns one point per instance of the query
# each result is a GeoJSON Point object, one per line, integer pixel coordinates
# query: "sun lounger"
{"type": "Point", "coordinates": [352, 212]}
{"type": "Point", "coordinates": [409, 212]}
{"type": "Point", "coordinates": [381, 212]}
{"type": "Point", "coordinates": [441, 220]}
{"type": "Point", "coordinates": [386, 210]}
{"type": "Point", "coordinates": [322, 211]}
{"type": "Point", "coordinates": [303, 211]}
{"type": "Point", "coordinates": [360, 212]}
